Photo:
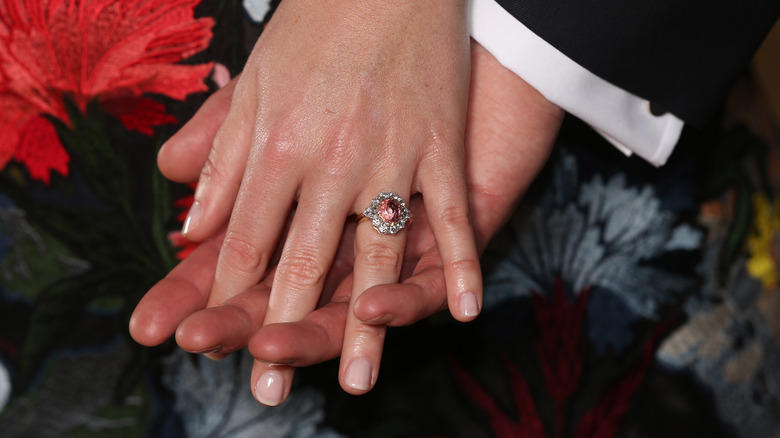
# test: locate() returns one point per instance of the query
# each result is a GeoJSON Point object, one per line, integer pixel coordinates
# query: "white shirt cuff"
{"type": "Point", "coordinates": [624, 119]}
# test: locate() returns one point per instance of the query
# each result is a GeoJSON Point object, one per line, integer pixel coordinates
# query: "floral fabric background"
{"type": "Point", "coordinates": [621, 300]}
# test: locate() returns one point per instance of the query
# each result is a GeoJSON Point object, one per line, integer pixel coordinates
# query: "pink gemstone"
{"type": "Point", "coordinates": [390, 210]}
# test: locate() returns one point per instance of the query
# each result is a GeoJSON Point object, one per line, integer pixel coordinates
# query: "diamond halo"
{"type": "Point", "coordinates": [388, 213]}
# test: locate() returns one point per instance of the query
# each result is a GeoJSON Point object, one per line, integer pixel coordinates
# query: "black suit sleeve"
{"type": "Point", "coordinates": [681, 55]}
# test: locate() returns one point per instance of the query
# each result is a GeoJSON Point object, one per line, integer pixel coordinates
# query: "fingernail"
{"type": "Point", "coordinates": [207, 350]}
{"type": "Point", "coordinates": [270, 388]}
{"type": "Point", "coordinates": [382, 319]}
{"type": "Point", "coordinates": [192, 218]}
{"type": "Point", "coordinates": [468, 304]}
{"type": "Point", "coordinates": [358, 374]}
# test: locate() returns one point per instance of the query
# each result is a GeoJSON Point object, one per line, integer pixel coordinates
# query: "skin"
{"type": "Point", "coordinates": [341, 100]}
{"type": "Point", "coordinates": [510, 129]}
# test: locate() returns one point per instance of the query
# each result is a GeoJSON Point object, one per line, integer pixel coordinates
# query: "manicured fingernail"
{"type": "Point", "coordinates": [192, 218]}
{"type": "Point", "coordinates": [358, 374]}
{"type": "Point", "coordinates": [270, 388]}
{"type": "Point", "coordinates": [468, 305]}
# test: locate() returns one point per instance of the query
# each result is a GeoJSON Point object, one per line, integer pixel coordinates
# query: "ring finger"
{"type": "Point", "coordinates": [380, 240]}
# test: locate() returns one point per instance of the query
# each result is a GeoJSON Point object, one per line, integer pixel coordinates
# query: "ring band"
{"type": "Point", "coordinates": [387, 213]}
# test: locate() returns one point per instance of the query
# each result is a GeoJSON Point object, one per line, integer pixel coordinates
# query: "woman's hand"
{"type": "Point", "coordinates": [511, 129]}
{"type": "Point", "coordinates": [342, 100]}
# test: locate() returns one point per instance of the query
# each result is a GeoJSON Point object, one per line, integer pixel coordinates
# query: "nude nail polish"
{"type": "Point", "coordinates": [469, 305]}
{"type": "Point", "coordinates": [358, 374]}
{"type": "Point", "coordinates": [269, 390]}
{"type": "Point", "coordinates": [193, 216]}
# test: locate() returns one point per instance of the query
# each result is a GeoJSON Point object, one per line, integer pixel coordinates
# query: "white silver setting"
{"type": "Point", "coordinates": [380, 223]}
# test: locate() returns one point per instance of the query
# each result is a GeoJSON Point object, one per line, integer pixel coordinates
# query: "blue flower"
{"type": "Point", "coordinates": [5, 385]}
{"type": "Point", "coordinates": [602, 233]}
{"type": "Point", "coordinates": [257, 9]}
{"type": "Point", "coordinates": [609, 322]}
{"type": "Point", "coordinates": [213, 400]}
{"type": "Point", "coordinates": [597, 233]}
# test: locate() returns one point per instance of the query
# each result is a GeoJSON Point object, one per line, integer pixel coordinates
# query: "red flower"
{"type": "Point", "coordinates": [110, 50]}
{"type": "Point", "coordinates": [559, 344]}
{"type": "Point", "coordinates": [40, 149]}
{"type": "Point", "coordinates": [527, 424]}
{"type": "Point", "coordinates": [176, 238]}
{"type": "Point", "coordinates": [560, 349]}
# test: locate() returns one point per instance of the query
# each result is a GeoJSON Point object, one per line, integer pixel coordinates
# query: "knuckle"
{"type": "Point", "coordinates": [370, 333]}
{"type": "Point", "coordinates": [211, 168]}
{"type": "Point", "coordinates": [439, 144]}
{"type": "Point", "coordinates": [219, 169]}
{"type": "Point", "coordinates": [302, 271]}
{"type": "Point", "coordinates": [341, 152]}
{"type": "Point", "coordinates": [376, 254]}
{"type": "Point", "coordinates": [239, 254]}
{"type": "Point", "coordinates": [279, 148]}
{"type": "Point", "coordinates": [464, 265]}
{"type": "Point", "coordinates": [455, 219]}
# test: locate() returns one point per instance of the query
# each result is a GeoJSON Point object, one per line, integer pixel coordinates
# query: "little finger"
{"type": "Point", "coordinates": [447, 205]}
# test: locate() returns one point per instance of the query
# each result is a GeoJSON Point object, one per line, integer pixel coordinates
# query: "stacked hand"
{"type": "Point", "coordinates": [345, 109]}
